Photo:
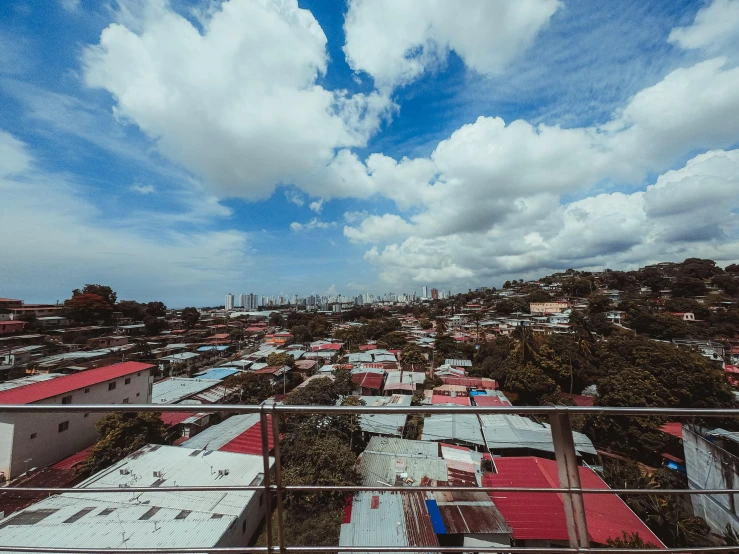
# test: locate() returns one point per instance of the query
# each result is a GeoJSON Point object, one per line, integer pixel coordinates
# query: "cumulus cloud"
{"type": "Point", "coordinates": [316, 206]}
{"type": "Point", "coordinates": [714, 25]}
{"type": "Point", "coordinates": [687, 212]}
{"type": "Point", "coordinates": [395, 42]}
{"type": "Point", "coordinates": [70, 5]}
{"type": "Point", "coordinates": [66, 241]}
{"type": "Point", "coordinates": [237, 103]}
{"type": "Point", "coordinates": [295, 197]}
{"type": "Point", "coordinates": [379, 228]}
{"type": "Point", "coordinates": [314, 223]}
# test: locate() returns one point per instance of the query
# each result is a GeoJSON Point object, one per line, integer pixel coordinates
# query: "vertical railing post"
{"type": "Point", "coordinates": [267, 477]}
{"type": "Point", "coordinates": [278, 479]}
{"type": "Point", "coordinates": [569, 478]}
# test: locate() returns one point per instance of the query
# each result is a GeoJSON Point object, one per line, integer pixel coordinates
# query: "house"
{"type": "Point", "coordinates": [8, 327]}
{"type": "Point", "coordinates": [107, 342]}
{"type": "Point", "coordinates": [182, 390]}
{"type": "Point", "coordinates": [46, 438]}
{"type": "Point", "coordinates": [369, 383]}
{"type": "Point", "coordinates": [712, 462]}
{"type": "Point", "coordinates": [152, 519]}
{"type": "Point", "coordinates": [685, 316]}
{"type": "Point", "coordinates": [390, 424]}
{"type": "Point", "coordinates": [404, 382]}
{"type": "Point", "coordinates": [52, 321]}
{"type": "Point", "coordinates": [541, 308]}
{"type": "Point", "coordinates": [538, 520]}
{"type": "Point", "coordinates": [240, 434]}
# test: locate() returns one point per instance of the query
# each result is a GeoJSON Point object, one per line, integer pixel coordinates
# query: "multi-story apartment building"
{"type": "Point", "coordinates": [229, 305]}
{"type": "Point", "coordinates": [40, 439]}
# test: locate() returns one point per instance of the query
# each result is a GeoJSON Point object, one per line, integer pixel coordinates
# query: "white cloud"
{"type": "Point", "coordinates": [70, 5]}
{"type": "Point", "coordinates": [238, 103]}
{"type": "Point", "coordinates": [294, 196]}
{"type": "Point", "coordinates": [395, 42]}
{"type": "Point", "coordinates": [66, 241]}
{"type": "Point", "coordinates": [714, 25]}
{"type": "Point", "coordinates": [314, 223]}
{"type": "Point", "coordinates": [317, 206]}
{"type": "Point", "coordinates": [143, 189]}
{"type": "Point", "coordinates": [378, 228]}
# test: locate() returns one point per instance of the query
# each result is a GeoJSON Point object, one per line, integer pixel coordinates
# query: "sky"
{"type": "Point", "coordinates": [180, 150]}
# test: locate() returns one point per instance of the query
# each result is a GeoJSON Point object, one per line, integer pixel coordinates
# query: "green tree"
{"type": "Point", "coordinates": [412, 355]}
{"type": "Point", "coordinates": [85, 308]}
{"type": "Point", "coordinates": [426, 324]}
{"type": "Point", "coordinates": [190, 317]}
{"type": "Point", "coordinates": [131, 309]}
{"type": "Point", "coordinates": [626, 540]}
{"type": "Point", "coordinates": [527, 345]}
{"type": "Point", "coordinates": [431, 382]}
{"type": "Point", "coordinates": [156, 309]}
{"type": "Point", "coordinates": [529, 383]}
{"type": "Point", "coordinates": [441, 326]}
{"type": "Point", "coordinates": [301, 334]}
{"type": "Point", "coordinates": [394, 341]}
{"type": "Point", "coordinates": [598, 303]}
{"type": "Point", "coordinates": [280, 359]}
{"type": "Point", "coordinates": [319, 327]}
{"type": "Point", "coordinates": [122, 434]}
{"type": "Point", "coordinates": [275, 319]}
{"type": "Point", "coordinates": [253, 389]}
{"type": "Point", "coordinates": [353, 334]}
{"type": "Point", "coordinates": [107, 293]}
{"type": "Point", "coordinates": [154, 325]}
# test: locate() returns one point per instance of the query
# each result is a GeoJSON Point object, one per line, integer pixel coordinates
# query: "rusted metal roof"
{"type": "Point", "coordinates": [470, 512]}
{"type": "Point", "coordinates": [418, 526]}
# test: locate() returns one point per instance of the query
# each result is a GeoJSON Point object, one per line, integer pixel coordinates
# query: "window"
{"type": "Point", "coordinates": [138, 374]}
{"type": "Point", "coordinates": [243, 527]}
{"type": "Point", "coordinates": [125, 400]}
{"type": "Point", "coordinates": [87, 414]}
{"type": "Point", "coordinates": [63, 426]}
{"type": "Point", "coordinates": [87, 390]}
{"type": "Point", "coordinates": [67, 399]}
{"type": "Point", "coordinates": [127, 381]}
{"type": "Point", "coordinates": [111, 386]}
{"type": "Point", "coordinates": [138, 394]}
{"type": "Point", "coordinates": [33, 435]}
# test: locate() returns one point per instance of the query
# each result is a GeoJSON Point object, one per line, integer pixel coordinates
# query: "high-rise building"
{"type": "Point", "coordinates": [229, 301]}
{"type": "Point", "coordinates": [242, 301]}
{"type": "Point", "coordinates": [425, 293]}
{"type": "Point", "coordinates": [435, 294]}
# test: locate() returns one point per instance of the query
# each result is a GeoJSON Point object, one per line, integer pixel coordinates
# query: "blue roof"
{"type": "Point", "coordinates": [436, 520]}
{"type": "Point", "coordinates": [218, 373]}
{"type": "Point", "coordinates": [209, 348]}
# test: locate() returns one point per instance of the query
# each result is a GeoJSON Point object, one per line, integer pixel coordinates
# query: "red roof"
{"type": "Point", "coordinates": [269, 370]}
{"type": "Point", "coordinates": [365, 347]}
{"type": "Point", "coordinates": [368, 380]}
{"type": "Point", "coordinates": [485, 400]}
{"type": "Point", "coordinates": [478, 382]}
{"type": "Point", "coordinates": [541, 516]}
{"type": "Point", "coordinates": [331, 346]}
{"type": "Point", "coordinates": [442, 399]}
{"type": "Point", "coordinates": [674, 428]}
{"type": "Point", "coordinates": [250, 441]}
{"type": "Point", "coordinates": [73, 460]}
{"type": "Point", "coordinates": [173, 418]}
{"type": "Point", "coordinates": [41, 390]}
{"type": "Point", "coordinates": [732, 368]}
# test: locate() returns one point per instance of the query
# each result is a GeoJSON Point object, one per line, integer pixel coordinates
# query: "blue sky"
{"type": "Point", "coordinates": [178, 151]}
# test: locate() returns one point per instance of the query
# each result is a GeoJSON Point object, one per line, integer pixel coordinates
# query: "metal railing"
{"type": "Point", "coordinates": [564, 448]}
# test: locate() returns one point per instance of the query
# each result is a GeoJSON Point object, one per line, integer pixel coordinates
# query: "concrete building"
{"type": "Point", "coordinates": [548, 307]}
{"type": "Point", "coordinates": [229, 301]}
{"type": "Point", "coordinates": [711, 462]}
{"type": "Point", "coordinates": [152, 519]}
{"type": "Point", "coordinates": [242, 301]}
{"type": "Point", "coordinates": [41, 439]}
{"type": "Point", "coordinates": [425, 292]}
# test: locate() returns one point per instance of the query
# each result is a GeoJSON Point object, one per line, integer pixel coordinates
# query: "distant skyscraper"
{"type": "Point", "coordinates": [229, 301]}
{"type": "Point", "coordinates": [435, 294]}
{"type": "Point", "coordinates": [242, 301]}
{"type": "Point", "coordinates": [425, 292]}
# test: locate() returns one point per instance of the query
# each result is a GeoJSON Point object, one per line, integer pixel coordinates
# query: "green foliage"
{"type": "Point", "coordinates": [275, 319]}
{"type": "Point", "coordinates": [301, 333]}
{"type": "Point", "coordinates": [319, 327]}
{"type": "Point", "coordinates": [343, 383]}
{"type": "Point", "coordinates": [392, 341]}
{"type": "Point", "coordinates": [131, 309]}
{"type": "Point", "coordinates": [577, 287]}
{"type": "Point", "coordinates": [426, 324]}
{"type": "Point", "coordinates": [85, 308]}
{"type": "Point", "coordinates": [253, 388]}
{"type": "Point", "coordinates": [687, 305]}
{"type": "Point", "coordinates": [430, 383]}
{"type": "Point", "coordinates": [632, 540]}
{"type": "Point", "coordinates": [353, 334]}
{"type": "Point", "coordinates": [190, 317]}
{"type": "Point", "coordinates": [441, 326]}
{"type": "Point", "coordinates": [412, 355]}
{"type": "Point", "coordinates": [107, 293]}
{"type": "Point", "coordinates": [418, 398]}
{"type": "Point", "coordinates": [154, 325]}
{"type": "Point", "coordinates": [156, 309]}
{"type": "Point", "coordinates": [528, 382]}
{"type": "Point", "coordinates": [598, 303]}
{"type": "Point", "coordinates": [659, 326]}
{"type": "Point", "coordinates": [729, 283]}
{"type": "Point", "coordinates": [280, 359]}
{"type": "Point", "coordinates": [376, 328]}
{"type": "Point", "coordinates": [445, 346]}
{"type": "Point", "coordinates": [122, 434]}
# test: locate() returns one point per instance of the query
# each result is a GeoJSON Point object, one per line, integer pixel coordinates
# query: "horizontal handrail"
{"type": "Point", "coordinates": [287, 409]}
{"type": "Point", "coordinates": [365, 488]}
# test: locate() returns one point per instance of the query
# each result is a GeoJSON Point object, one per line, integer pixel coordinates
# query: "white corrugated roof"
{"type": "Point", "coordinates": [188, 519]}
{"type": "Point", "coordinates": [443, 427]}
{"type": "Point", "coordinates": [217, 436]}
{"type": "Point", "coordinates": [381, 526]}
{"type": "Point", "coordinates": [169, 391]}
{"type": "Point", "coordinates": [514, 431]}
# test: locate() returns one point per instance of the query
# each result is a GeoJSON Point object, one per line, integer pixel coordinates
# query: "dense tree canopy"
{"type": "Point", "coordinates": [107, 293]}
{"type": "Point", "coordinates": [190, 317]}
{"type": "Point", "coordinates": [86, 308]}
{"type": "Point", "coordinates": [253, 389]}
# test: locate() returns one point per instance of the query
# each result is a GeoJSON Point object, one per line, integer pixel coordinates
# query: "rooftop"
{"type": "Point", "coordinates": [174, 389]}
{"type": "Point", "coordinates": [42, 389]}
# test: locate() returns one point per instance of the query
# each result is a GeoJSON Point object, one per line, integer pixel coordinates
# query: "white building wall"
{"type": "Point", "coordinates": [50, 445]}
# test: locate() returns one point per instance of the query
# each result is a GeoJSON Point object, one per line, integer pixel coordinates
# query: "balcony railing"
{"type": "Point", "coordinates": [565, 455]}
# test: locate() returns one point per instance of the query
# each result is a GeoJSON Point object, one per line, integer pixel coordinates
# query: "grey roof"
{"type": "Point", "coordinates": [383, 526]}
{"type": "Point", "coordinates": [144, 520]}
{"type": "Point", "coordinates": [504, 431]}
{"type": "Point", "coordinates": [385, 424]}
{"type": "Point", "coordinates": [384, 468]}
{"type": "Point", "coordinates": [359, 357]}
{"type": "Point", "coordinates": [403, 446]}
{"type": "Point", "coordinates": [458, 363]}
{"type": "Point", "coordinates": [217, 436]}
{"type": "Point", "coordinates": [461, 427]}
{"type": "Point", "coordinates": [385, 358]}
{"type": "Point", "coordinates": [30, 380]}
{"type": "Point", "coordinates": [406, 377]}
{"type": "Point", "coordinates": [174, 389]}
{"type": "Point", "coordinates": [181, 356]}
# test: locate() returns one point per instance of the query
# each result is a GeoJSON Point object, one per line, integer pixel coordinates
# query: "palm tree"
{"type": "Point", "coordinates": [526, 343]}
{"type": "Point", "coordinates": [440, 326]}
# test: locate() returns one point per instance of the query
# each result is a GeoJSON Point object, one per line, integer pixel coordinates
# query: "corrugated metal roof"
{"type": "Point", "coordinates": [380, 526]}
{"type": "Point", "coordinates": [218, 373]}
{"type": "Point", "coordinates": [478, 382]}
{"type": "Point", "coordinates": [47, 388]}
{"type": "Point", "coordinates": [461, 427]}
{"type": "Point", "coordinates": [174, 389]}
{"type": "Point", "coordinates": [541, 515]}
{"type": "Point", "coordinates": [119, 520]}
{"type": "Point", "coordinates": [455, 362]}
{"type": "Point", "coordinates": [368, 380]}
{"type": "Point", "coordinates": [217, 436]}
{"type": "Point", "coordinates": [470, 512]}
{"type": "Point", "coordinates": [491, 400]}
{"type": "Point", "coordinates": [359, 357]}
{"type": "Point", "coordinates": [418, 527]}
{"type": "Point", "coordinates": [250, 441]}
{"type": "Point", "coordinates": [403, 446]}
{"type": "Point", "coordinates": [444, 399]}
{"type": "Point", "coordinates": [385, 424]}
{"type": "Point", "coordinates": [30, 380]}
{"type": "Point", "coordinates": [503, 431]}
{"type": "Point", "coordinates": [378, 469]}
